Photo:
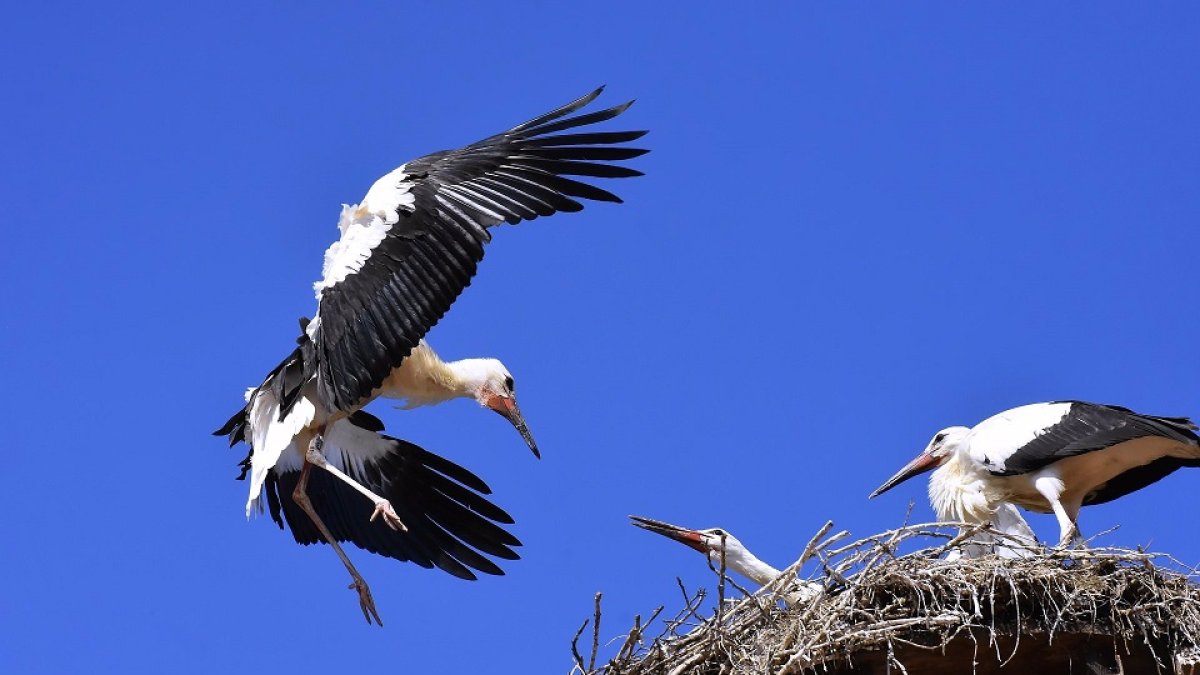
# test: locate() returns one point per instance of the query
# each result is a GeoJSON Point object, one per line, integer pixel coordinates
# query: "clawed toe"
{"type": "Point", "coordinates": [384, 508]}
{"type": "Point", "coordinates": [365, 601]}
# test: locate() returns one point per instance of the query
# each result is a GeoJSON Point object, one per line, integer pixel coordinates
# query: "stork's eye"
{"type": "Point", "coordinates": [508, 382]}
{"type": "Point", "coordinates": [939, 438]}
{"type": "Point", "coordinates": [719, 532]}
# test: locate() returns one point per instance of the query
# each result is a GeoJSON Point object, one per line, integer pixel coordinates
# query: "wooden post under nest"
{"type": "Point", "coordinates": [1066, 654]}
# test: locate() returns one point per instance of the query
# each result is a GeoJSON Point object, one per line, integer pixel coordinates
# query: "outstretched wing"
{"type": "Point", "coordinates": [450, 522]}
{"type": "Point", "coordinates": [414, 243]}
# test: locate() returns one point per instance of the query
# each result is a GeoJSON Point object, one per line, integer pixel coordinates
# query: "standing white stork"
{"type": "Point", "coordinates": [712, 541]}
{"type": "Point", "coordinates": [1050, 457]}
{"type": "Point", "coordinates": [405, 253]}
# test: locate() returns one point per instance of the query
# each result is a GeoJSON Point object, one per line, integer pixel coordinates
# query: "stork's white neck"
{"type": "Point", "coordinates": [748, 565]}
{"type": "Point", "coordinates": [745, 563]}
{"type": "Point", "coordinates": [425, 379]}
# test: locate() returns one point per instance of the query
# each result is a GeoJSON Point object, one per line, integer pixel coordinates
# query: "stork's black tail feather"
{"type": "Point", "coordinates": [286, 382]}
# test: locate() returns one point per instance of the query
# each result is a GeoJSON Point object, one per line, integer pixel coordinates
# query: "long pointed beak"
{"type": "Point", "coordinates": [922, 463]}
{"type": "Point", "coordinates": [680, 534]}
{"type": "Point", "coordinates": [507, 407]}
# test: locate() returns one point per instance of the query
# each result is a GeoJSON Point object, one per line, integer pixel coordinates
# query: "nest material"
{"type": "Point", "coordinates": [888, 609]}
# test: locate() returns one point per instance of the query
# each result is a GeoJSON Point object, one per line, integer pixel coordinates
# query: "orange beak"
{"type": "Point", "coordinates": [507, 407]}
{"type": "Point", "coordinates": [690, 538]}
{"type": "Point", "coordinates": [922, 463]}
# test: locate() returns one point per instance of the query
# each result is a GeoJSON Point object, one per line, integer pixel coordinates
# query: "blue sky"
{"type": "Point", "coordinates": [859, 224]}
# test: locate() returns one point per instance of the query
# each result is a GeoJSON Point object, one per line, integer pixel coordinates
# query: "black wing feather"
{"type": "Point", "coordinates": [372, 319]}
{"type": "Point", "coordinates": [449, 520]}
{"type": "Point", "coordinates": [569, 168]}
{"type": "Point", "coordinates": [1137, 478]}
{"type": "Point", "coordinates": [591, 138]}
{"type": "Point", "coordinates": [366, 420]}
{"type": "Point", "coordinates": [1089, 427]}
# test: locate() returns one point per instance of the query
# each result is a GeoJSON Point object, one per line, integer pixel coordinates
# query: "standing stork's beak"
{"type": "Point", "coordinates": [680, 534]}
{"type": "Point", "coordinates": [922, 463]}
{"type": "Point", "coordinates": [507, 407]}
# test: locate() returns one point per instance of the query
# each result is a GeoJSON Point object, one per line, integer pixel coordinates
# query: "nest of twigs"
{"type": "Point", "coordinates": [890, 609]}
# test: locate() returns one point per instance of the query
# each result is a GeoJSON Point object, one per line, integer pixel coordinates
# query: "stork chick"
{"type": "Point", "coordinates": [737, 557]}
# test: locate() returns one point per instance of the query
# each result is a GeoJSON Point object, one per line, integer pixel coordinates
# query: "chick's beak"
{"type": "Point", "coordinates": [507, 407]}
{"type": "Point", "coordinates": [680, 534]}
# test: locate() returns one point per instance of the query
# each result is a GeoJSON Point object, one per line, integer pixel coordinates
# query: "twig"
{"type": "Point", "coordinates": [595, 637]}
{"type": "Point", "coordinates": [575, 648]}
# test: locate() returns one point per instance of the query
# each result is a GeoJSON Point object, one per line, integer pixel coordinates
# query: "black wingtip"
{"type": "Point", "coordinates": [590, 96]}
{"type": "Point", "coordinates": [560, 111]}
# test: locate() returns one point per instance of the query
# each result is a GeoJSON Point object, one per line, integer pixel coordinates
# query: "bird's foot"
{"type": "Point", "coordinates": [384, 508]}
{"type": "Point", "coordinates": [365, 601]}
{"type": "Point", "coordinates": [1071, 539]}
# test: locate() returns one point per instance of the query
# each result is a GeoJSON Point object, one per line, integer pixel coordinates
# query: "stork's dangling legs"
{"type": "Point", "coordinates": [365, 601]}
{"type": "Point", "coordinates": [383, 507]}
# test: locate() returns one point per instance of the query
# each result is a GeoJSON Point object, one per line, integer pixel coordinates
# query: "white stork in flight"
{"type": "Point", "coordinates": [405, 253]}
{"type": "Point", "coordinates": [710, 542]}
{"type": "Point", "coordinates": [1050, 458]}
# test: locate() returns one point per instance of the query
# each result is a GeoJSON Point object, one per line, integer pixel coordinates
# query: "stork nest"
{"type": "Point", "coordinates": [885, 607]}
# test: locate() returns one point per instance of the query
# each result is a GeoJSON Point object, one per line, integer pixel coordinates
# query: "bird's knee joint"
{"type": "Point", "coordinates": [315, 457]}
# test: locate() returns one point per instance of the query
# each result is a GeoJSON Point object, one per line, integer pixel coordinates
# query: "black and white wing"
{"type": "Point", "coordinates": [1043, 433]}
{"type": "Point", "coordinates": [412, 245]}
{"type": "Point", "coordinates": [451, 525]}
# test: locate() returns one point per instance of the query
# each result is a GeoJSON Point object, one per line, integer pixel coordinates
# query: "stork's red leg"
{"type": "Point", "coordinates": [365, 601]}
{"type": "Point", "coordinates": [316, 457]}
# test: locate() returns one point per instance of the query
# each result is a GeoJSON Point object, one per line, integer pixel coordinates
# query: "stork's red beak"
{"type": "Point", "coordinates": [680, 534]}
{"type": "Point", "coordinates": [923, 462]}
{"type": "Point", "coordinates": [507, 406]}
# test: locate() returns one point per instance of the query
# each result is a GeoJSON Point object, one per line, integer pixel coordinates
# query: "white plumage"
{"type": "Point", "coordinates": [1049, 457]}
{"type": "Point", "coordinates": [718, 545]}
{"type": "Point", "coordinates": [361, 232]}
{"type": "Point", "coordinates": [273, 438]}
{"type": "Point", "coordinates": [422, 379]}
